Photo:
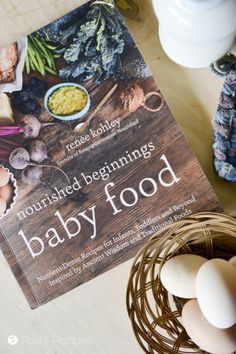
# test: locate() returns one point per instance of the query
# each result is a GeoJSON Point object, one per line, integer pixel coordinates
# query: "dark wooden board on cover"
{"type": "Point", "coordinates": [159, 128]}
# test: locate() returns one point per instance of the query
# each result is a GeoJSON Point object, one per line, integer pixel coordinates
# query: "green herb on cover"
{"type": "Point", "coordinates": [40, 56]}
{"type": "Point", "coordinates": [97, 46]}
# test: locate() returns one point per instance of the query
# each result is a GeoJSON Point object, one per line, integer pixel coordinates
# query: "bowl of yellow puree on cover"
{"type": "Point", "coordinates": [67, 101]}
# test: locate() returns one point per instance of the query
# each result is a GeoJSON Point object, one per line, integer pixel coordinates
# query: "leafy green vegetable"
{"type": "Point", "coordinates": [60, 31]}
{"type": "Point", "coordinates": [97, 46]}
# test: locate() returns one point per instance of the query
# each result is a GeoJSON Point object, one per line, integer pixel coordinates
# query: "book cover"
{"type": "Point", "coordinates": [92, 161]}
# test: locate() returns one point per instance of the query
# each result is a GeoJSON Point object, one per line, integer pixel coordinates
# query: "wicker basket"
{"type": "Point", "coordinates": [154, 313]}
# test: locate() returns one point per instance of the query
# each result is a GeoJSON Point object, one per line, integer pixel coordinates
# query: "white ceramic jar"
{"type": "Point", "coordinates": [195, 33]}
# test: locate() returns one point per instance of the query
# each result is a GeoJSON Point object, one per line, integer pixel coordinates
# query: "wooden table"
{"type": "Point", "coordinates": [92, 318]}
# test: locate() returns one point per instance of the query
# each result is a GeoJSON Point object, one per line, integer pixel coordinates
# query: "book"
{"type": "Point", "coordinates": [93, 162]}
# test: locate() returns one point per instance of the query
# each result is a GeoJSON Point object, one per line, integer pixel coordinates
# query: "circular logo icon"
{"type": "Point", "coordinates": [12, 339]}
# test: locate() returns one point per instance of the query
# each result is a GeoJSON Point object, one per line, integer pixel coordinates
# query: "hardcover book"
{"type": "Point", "coordinates": [92, 160]}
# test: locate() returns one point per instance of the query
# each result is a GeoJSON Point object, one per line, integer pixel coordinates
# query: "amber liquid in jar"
{"type": "Point", "coordinates": [128, 8]}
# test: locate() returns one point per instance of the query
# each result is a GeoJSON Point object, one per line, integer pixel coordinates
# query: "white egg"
{"type": "Point", "coordinates": [233, 261]}
{"type": "Point", "coordinates": [216, 292]}
{"type": "Point", "coordinates": [204, 335]}
{"type": "Point", "coordinates": [178, 275]}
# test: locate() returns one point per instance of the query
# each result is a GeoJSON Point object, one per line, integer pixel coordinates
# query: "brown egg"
{"type": "Point", "coordinates": [6, 193]}
{"type": "Point", "coordinates": [3, 206]}
{"type": "Point", "coordinates": [4, 177]}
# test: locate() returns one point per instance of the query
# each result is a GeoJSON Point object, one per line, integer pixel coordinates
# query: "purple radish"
{"type": "Point", "coordinates": [29, 126]}
{"type": "Point", "coordinates": [32, 126]}
{"type": "Point", "coordinates": [11, 130]}
{"type": "Point", "coordinates": [32, 174]}
{"type": "Point", "coordinates": [6, 147]}
{"type": "Point", "coordinates": [20, 159]}
{"type": "Point", "coordinates": [38, 151]}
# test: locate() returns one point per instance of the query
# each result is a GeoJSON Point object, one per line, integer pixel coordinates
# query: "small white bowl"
{"type": "Point", "coordinates": [74, 116]}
